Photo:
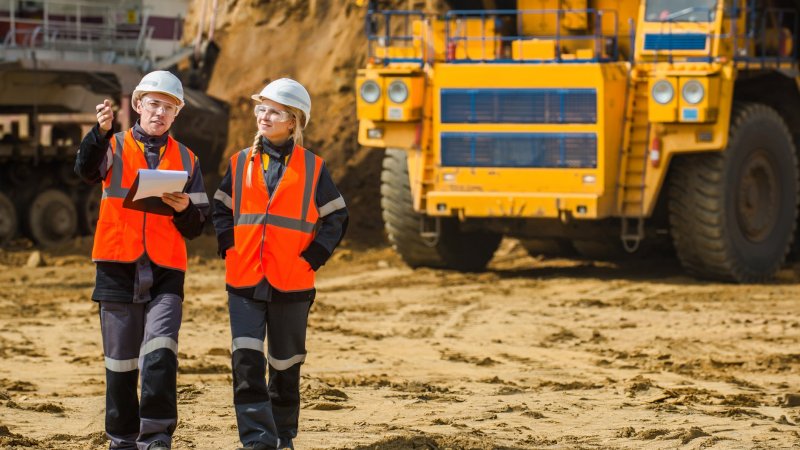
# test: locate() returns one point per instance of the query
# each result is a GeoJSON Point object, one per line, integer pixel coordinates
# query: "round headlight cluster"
{"type": "Point", "coordinates": [693, 92]}
{"type": "Point", "coordinates": [370, 91]}
{"type": "Point", "coordinates": [663, 92]}
{"type": "Point", "coordinates": [398, 91]}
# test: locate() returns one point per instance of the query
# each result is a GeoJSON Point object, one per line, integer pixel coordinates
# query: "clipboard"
{"type": "Point", "coordinates": [150, 205]}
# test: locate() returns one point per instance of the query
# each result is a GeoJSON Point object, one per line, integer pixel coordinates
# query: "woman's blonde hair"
{"type": "Point", "coordinates": [296, 135]}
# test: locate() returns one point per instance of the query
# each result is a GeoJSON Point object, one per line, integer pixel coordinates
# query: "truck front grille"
{"type": "Point", "coordinates": [543, 106]}
{"type": "Point", "coordinates": [523, 150]}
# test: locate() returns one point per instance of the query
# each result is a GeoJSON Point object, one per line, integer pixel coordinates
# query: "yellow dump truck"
{"type": "Point", "coordinates": [598, 127]}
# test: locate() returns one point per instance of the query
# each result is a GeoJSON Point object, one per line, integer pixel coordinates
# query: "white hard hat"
{"type": "Point", "coordinates": [287, 92]}
{"type": "Point", "coordinates": [162, 82]}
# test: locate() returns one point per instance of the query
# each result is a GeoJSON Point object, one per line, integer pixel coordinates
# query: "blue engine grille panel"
{"type": "Point", "coordinates": [683, 41]}
{"type": "Point", "coordinates": [519, 105]}
{"type": "Point", "coordinates": [525, 150]}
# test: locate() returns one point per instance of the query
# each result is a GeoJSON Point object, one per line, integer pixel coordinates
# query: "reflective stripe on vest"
{"type": "Point", "coordinates": [123, 234]}
{"type": "Point", "coordinates": [270, 233]}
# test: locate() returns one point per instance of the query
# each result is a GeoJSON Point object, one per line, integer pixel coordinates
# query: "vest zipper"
{"type": "Point", "coordinates": [269, 202]}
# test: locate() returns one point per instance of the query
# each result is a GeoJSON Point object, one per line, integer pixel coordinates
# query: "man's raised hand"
{"type": "Point", "coordinates": [105, 115]}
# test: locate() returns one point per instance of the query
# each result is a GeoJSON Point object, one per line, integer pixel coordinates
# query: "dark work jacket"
{"type": "Point", "coordinates": [115, 281]}
{"type": "Point", "coordinates": [330, 231]}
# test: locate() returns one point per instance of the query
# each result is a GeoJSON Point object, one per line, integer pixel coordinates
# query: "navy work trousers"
{"type": "Point", "coordinates": [265, 411]}
{"type": "Point", "coordinates": [141, 338]}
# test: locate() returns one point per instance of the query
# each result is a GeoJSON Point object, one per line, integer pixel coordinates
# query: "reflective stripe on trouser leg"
{"type": "Point", "coordinates": [286, 338]}
{"type": "Point", "coordinates": [121, 325]}
{"type": "Point", "coordinates": [158, 361]}
{"type": "Point", "coordinates": [250, 396]}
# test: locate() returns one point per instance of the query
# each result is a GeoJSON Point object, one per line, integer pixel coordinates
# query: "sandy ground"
{"type": "Point", "coordinates": [531, 354]}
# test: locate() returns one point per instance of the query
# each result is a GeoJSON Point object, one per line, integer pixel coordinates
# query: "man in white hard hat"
{"type": "Point", "coordinates": [141, 261]}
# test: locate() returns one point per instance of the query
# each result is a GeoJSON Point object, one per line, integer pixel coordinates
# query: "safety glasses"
{"type": "Point", "coordinates": [272, 114]}
{"type": "Point", "coordinates": [153, 106]}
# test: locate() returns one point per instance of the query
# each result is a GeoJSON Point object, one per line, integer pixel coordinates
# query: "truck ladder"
{"type": "Point", "coordinates": [633, 163]}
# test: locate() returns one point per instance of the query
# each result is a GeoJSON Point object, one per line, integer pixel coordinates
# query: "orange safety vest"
{"type": "Point", "coordinates": [123, 234]}
{"type": "Point", "coordinates": [270, 233]}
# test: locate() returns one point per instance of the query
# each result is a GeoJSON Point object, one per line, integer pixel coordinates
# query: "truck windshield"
{"type": "Point", "coordinates": [680, 10]}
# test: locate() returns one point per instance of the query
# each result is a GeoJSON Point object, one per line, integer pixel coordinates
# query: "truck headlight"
{"type": "Point", "coordinates": [398, 91]}
{"type": "Point", "coordinates": [693, 92]}
{"type": "Point", "coordinates": [663, 92]}
{"type": "Point", "coordinates": [370, 91]}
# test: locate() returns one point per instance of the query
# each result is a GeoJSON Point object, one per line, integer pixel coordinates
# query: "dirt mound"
{"type": "Point", "coordinates": [321, 44]}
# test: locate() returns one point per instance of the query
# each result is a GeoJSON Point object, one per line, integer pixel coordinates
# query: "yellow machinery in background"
{"type": "Point", "coordinates": [599, 127]}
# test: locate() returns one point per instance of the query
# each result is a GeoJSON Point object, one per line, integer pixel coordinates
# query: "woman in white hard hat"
{"type": "Point", "coordinates": [141, 261]}
{"type": "Point", "coordinates": [278, 217]}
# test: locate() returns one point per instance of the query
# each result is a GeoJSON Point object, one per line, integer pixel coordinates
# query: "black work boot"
{"type": "Point", "coordinates": [285, 444]}
{"type": "Point", "coordinates": [255, 446]}
{"type": "Point", "coordinates": [158, 445]}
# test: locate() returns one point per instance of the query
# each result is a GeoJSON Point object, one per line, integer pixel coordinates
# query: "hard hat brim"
{"type": "Point", "coordinates": [141, 92]}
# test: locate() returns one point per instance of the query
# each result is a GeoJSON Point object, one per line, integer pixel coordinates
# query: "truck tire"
{"type": "Point", "coordinates": [8, 219]}
{"type": "Point", "coordinates": [52, 218]}
{"type": "Point", "coordinates": [733, 214]}
{"type": "Point", "coordinates": [454, 249]}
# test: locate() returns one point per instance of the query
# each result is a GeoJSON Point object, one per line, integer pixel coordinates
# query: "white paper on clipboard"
{"type": "Point", "coordinates": [154, 183]}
